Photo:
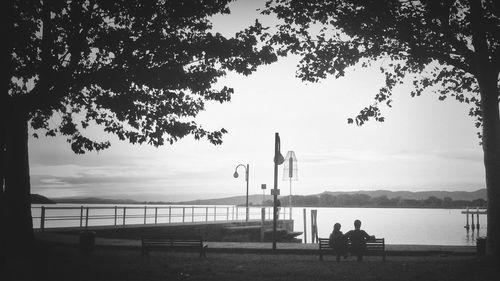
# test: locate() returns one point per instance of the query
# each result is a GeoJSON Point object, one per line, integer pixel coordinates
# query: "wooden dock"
{"type": "Point", "coordinates": [481, 212]}
{"type": "Point", "coordinates": [113, 216]}
{"type": "Point", "coordinates": [473, 211]}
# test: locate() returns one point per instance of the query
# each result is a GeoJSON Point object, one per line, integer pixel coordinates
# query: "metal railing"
{"type": "Point", "coordinates": [84, 216]}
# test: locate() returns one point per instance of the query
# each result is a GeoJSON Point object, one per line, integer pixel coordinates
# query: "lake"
{"type": "Point", "coordinates": [396, 225]}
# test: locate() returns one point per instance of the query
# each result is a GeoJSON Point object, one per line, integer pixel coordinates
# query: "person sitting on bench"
{"type": "Point", "coordinates": [358, 240]}
{"type": "Point", "coordinates": [338, 242]}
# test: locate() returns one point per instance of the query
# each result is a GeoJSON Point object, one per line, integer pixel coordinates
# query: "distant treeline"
{"type": "Point", "coordinates": [363, 200]}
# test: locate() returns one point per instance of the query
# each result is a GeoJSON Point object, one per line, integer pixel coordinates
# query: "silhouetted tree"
{"type": "Point", "coordinates": [311, 200]}
{"type": "Point", "coordinates": [141, 70]}
{"type": "Point", "coordinates": [268, 203]}
{"type": "Point", "coordinates": [447, 202]}
{"type": "Point", "coordinates": [361, 199]}
{"type": "Point", "coordinates": [433, 201]}
{"type": "Point", "coordinates": [451, 47]}
{"type": "Point", "coordinates": [383, 201]}
{"type": "Point", "coordinates": [398, 201]}
{"type": "Point", "coordinates": [326, 199]}
{"type": "Point", "coordinates": [478, 203]}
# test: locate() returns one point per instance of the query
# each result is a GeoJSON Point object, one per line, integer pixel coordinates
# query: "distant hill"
{"type": "Point", "coordinates": [39, 199]}
{"type": "Point", "coordinates": [257, 199]}
{"type": "Point", "coordinates": [235, 200]}
{"type": "Point", "coordinates": [419, 195]}
{"type": "Point", "coordinates": [94, 200]}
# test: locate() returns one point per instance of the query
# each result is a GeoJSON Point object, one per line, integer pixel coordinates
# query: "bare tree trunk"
{"type": "Point", "coordinates": [18, 243]}
{"type": "Point", "coordinates": [21, 258]}
{"type": "Point", "coordinates": [491, 148]}
{"type": "Point", "coordinates": [487, 78]}
{"type": "Point", "coordinates": [17, 181]}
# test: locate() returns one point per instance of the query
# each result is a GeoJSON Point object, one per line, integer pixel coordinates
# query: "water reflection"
{"type": "Point", "coordinates": [471, 236]}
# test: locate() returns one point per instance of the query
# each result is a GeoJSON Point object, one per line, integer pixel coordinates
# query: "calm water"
{"type": "Point", "coordinates": [397, 226]}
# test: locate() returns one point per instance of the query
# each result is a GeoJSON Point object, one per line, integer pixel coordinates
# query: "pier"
{"type": "Point", "coordinates": [47, 217]}
{"type": "Point", "coordinates": [216, 223]}
{"type": "Point", "coordinates": [473, 212]}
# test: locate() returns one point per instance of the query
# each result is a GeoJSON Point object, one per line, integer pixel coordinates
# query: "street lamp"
{"type": "Point", "coordinates": [235, 175]}
{"type": "Point", "coordinates": [278, 160]}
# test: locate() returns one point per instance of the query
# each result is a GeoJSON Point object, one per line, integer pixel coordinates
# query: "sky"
{"type": "Point", "coordinates": [424, 144]}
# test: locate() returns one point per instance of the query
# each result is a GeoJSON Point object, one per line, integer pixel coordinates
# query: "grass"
{"type": "Point", "coordinates": [106, 263]}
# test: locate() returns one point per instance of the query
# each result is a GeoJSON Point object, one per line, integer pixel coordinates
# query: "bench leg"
{"type": "Point", "coordinates": [203, 252]}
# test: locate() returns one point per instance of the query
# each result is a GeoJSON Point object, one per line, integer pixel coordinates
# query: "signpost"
{"type": "Point", "coordinates": [290, 173]}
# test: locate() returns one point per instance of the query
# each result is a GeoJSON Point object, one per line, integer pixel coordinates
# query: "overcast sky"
{"type": "Point", "coordinates": [425, 144]}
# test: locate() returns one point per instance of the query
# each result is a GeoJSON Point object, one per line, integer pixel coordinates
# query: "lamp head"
{"type": "Point", "coordinates": [235, 175]}
{"type": "Point", "coordinates": [278, 159]}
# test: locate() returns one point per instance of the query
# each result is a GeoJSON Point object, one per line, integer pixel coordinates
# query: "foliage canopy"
{"type": "Point", "coordinates": [426, 41]}
{"type": "Point", "coordinates": [140, 69]}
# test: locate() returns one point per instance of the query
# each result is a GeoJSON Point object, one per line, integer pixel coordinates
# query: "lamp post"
{"type": "Point", "coordinates": [278, 160]}
{"type": "Point", "coordinates": [235, 175]}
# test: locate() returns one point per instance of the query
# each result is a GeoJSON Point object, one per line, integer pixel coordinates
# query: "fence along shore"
{"type": "Point", "coordinates": [85, 216]}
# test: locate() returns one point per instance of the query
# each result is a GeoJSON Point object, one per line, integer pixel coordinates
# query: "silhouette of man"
{"type": "Point", "coordinates": [358, 240]}
{"type": "Point", "coordinates": [338, 242]}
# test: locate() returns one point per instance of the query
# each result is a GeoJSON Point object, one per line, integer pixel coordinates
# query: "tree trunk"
{"type": "Point", "coordinates": [487, 77]}
{"type": "Point", "coordinates": [17, 182]}
{"type": "Point", "coordinates": [491, 148]}
{"type": "Point", "coordinates": [17, 238]}
{"type": "Point", "coordinates": [20, 257]}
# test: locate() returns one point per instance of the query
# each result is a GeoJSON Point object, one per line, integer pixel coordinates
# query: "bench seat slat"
{"type": "Point", "coordinates": [171, 242]}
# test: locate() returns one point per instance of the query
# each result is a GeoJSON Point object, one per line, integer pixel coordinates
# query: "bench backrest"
{"type": "Point", "coordinates": [377, 244]}
{"type": "Point", "coordinates": [324, 243]}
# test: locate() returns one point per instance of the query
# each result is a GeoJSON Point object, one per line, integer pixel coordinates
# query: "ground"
{"type": "Point", "coordinates": [66, 262]}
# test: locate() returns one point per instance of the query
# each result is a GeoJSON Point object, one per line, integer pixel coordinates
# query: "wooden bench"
{"type": "Point", "coordinates": [373, 247]}
{"type": "Point", "coordinates": [173, 242]}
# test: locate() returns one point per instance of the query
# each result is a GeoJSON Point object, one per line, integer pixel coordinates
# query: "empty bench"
{"type": "Point", "coordinates": [374, 246]}
{"type": "Point", "coordinates": [173, 242]}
